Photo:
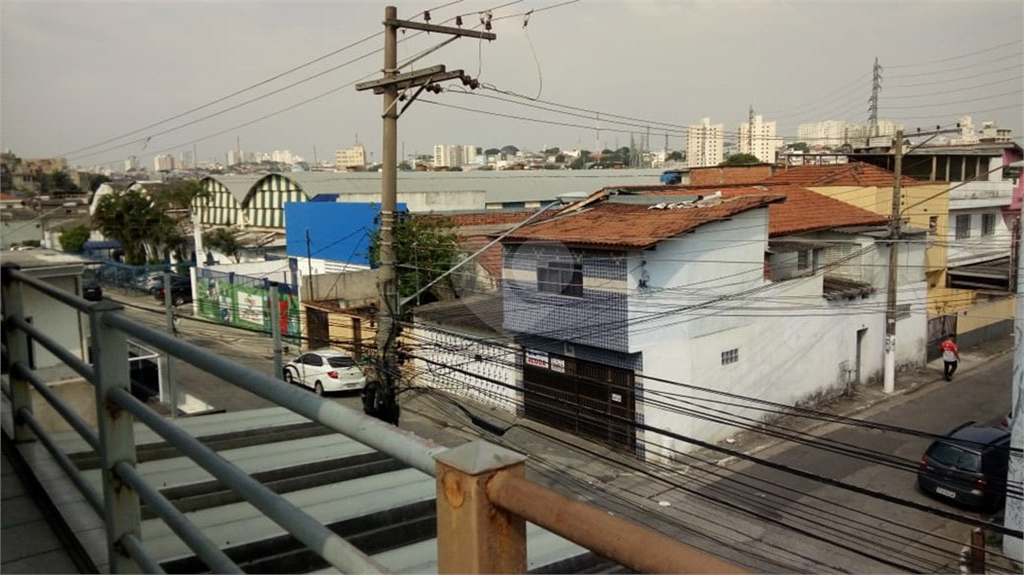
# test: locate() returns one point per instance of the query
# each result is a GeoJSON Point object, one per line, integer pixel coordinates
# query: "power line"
{"type": "Point", "coordinates": [959, 56]}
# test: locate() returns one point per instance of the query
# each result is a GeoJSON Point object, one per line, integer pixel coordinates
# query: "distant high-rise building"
{"type": "Point", "coordinates": [450, 156]}
{"type": "Point", "coordinates": [704, 144]}
{"type": "Point", "coordinates": [830, 133]}
{"type": "Point", "coordinates": [164, 163]}
{"type": "Point", "coordinates": [188, 162]}
{"type": "Point", "coordinates": [234, 157]}
{"type": "Point", "coordinates": [132, 163]}
{"type": "Point", "coordinates": [469, 154]}
{"type": "Point", "coordinates": [354, 157]}
{"type": "Point", "coordinates": [758, 138]}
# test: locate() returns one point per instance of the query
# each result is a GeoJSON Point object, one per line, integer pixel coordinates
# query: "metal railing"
{"type": "Point", "coordinates": [483, 498]}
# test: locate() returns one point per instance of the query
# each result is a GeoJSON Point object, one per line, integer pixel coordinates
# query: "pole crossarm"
{"type": "Point", "coordinates": [395, 81]}
{"type": "Point", "coordinates": [441, 29]}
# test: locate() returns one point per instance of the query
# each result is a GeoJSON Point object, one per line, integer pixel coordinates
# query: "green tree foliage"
{"type": "Point", "coordinates": [140, 224]}
{"type": "Point", "coordinates": [739, 160]}
{"type": "Point", "coordinates": [61, 181]}
{"type": "Point", "coordinates": [225, 241]}
{"type": "Point", "coordinates": [492, 152]}
{"type": "Point", "coordinates": [510, 150]}
{"type": "Point", "coordinates": [96, 180]}
{"type": "Point", "coordinates": [676, 156]}
{"type": "Point", "coordinates": [73, 238]}
{"type": "Point", "coordinates": [425, 248]}
{"type": "Point", "coordinates": [800, 146]}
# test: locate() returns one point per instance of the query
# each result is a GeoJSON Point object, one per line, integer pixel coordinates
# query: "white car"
{"type": "Point", "coordinates": [325, 370]}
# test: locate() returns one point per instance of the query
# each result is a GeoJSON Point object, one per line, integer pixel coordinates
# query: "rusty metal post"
{"type": "Point", "coordinates": [976, 561]}
{"type": "Point", "coordinates": [18, 343]}
{"type": "Point", "coordinates": [635, 547]}
{"type": "Point", "coordinates": [474, 536]}
{"type": "Point", "coordinates": [117, 438]}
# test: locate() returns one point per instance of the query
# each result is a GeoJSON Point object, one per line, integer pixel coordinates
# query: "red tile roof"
{"type": "Point", "coordinates": [803, 211]}
{"type": "Point", "coordinates": [5, 197]}
{"type": "Point", "coordinates": [852, 174]}
{"type": "Point", "coordinates": [609, 224]}
{"type": "Point", "coordinates": [482, 218]}
{"type": "Point", "coordinates": [490, 260]}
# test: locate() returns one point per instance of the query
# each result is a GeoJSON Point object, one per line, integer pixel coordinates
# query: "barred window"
{"type": "Point", "coordinates": [963, 227]}
{"type": "Point", "coordinates": [564, 278]}
{"type": "Point", "coordinates": [988, 224]}
{"type": "Point", "coordinates": [902, 311]}
{"type": "Point", "coordinates": [730, 356]}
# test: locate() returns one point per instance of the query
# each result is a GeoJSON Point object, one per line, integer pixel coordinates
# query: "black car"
{"type": "Point", "coordinates": [91, 289]}
{"type": "Point", "coordinates": [181, 291]}
{"type": "Point", "coordinates": [968, 466]}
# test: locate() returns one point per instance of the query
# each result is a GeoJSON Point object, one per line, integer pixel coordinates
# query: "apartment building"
{"type": "Point", "coordinates": [450, 156]}
{"type": "Point", "coordinates": [758, 138]}
{"type": "Point", "coordinates": [704, 145]}
{"type": "Point", "coordinates": [163, 163]}
{"type": "Point", "coordinates": [354, 157]}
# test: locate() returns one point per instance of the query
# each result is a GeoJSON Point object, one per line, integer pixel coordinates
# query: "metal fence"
{"type": "Point", "coordinates": [130, 278]}
{"type": "Point", "coordinates": [483, 499]}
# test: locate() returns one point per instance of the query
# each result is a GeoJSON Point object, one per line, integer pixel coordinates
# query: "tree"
{"type": "Point", "coordinates": [510, 150]}
{"type": "Point", "coordinates": [142, 226]}
{"type": "Point", "coordinates": [675, 156]}
{"type": "Point", "coordinates": [225, 241]}
{"type": "Point", "coordinates": [426, 247]}
{"type": "Point", "coordinates": [492, 152]}
{"type": "Point", "coordinates": [800, 146]}
{"type": "Point", "coordinates": [552, 151]}
{"type": "Point", "coordinates": [61, 181]}
{"type": "Point", "coordinates": [96, 180]}
{"type": "Point", "coordinates": [73, 238]}
{"type": "Point", "coordinates": [739, 160]}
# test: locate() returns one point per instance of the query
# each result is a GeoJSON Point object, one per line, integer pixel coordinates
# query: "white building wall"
{"type": "Point", "coordinates": [758, 138]}
{"type": "Point", "coordinates": [62, 323]}
{"type": "Point", "coordinates": [978, 247]}
{"type": "Point", "coordinates": [704, 144]}
{"type": "Point", "coordinates": [792, 344]}
{"type": "Point", "coordinates": [496, 385]}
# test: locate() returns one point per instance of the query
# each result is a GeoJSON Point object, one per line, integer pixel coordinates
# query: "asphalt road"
{"type": "Point", "coordinates": [852, 532]}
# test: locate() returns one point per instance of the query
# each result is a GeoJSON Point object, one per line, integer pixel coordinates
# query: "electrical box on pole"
{"type": "Point", "coordinates": [379, 396]}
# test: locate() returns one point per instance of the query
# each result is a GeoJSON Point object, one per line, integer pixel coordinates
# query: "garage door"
{"type": "Point", "coordinates": [593, 400]}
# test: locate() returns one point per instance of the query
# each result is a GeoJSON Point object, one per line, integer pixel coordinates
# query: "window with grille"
{"type": "Point", "coordinates": [902, 311]}
{"type": "Point", "coordinates": [731, 356]}
{"type": "Point", "coordinates": [988, 224]}
{"type": "Point", "coordinates": [803, 260]}
{"type": "Point", "coordinates": [963, 227]}
{"type": "Point", "coordinates": [564, 278]}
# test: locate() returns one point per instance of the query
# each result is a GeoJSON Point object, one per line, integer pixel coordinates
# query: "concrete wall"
{"type": "Point", "coordinates": [979, 248]}
{"type": "Point", "coordinates": [77, 394]}
{"type": "Point", "coordinates": [985, 321]}
{"type": "Point", "coordinates": [17, 231]}
{"type": "Point", "coordinates": [62, 323]}
{"type": "Point", "coordinates": [355, 286]}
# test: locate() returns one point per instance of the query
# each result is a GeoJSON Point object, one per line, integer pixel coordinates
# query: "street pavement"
{"type": "Point", "coordinates": [764, 519]}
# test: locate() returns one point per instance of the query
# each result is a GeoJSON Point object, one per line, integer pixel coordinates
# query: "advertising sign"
{"type": "Point", "coordinates": [536, 358]}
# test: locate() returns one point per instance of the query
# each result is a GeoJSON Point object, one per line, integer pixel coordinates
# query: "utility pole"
{"type": "Point", "coordinates": [1014, 508]}
{"type": "Point", "coordinates": [889, 381]}
{"type": "Point", "coordinates": [379, 397]}
{"type": "Point", "coordinates": [172, 384]}
{"type": "Point", "coordinates": [275, 330]}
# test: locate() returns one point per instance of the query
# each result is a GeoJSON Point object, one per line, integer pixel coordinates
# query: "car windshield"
{"type": "Point", "coordinates": [340, 361]}
{"type": "Point", "coordinates": [953, 456]}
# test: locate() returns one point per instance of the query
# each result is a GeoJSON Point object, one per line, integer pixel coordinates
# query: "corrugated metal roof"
{"type": "Point", "coordinates": [499, 186]}
{"type": "Point", "coordinates": [379, 504]}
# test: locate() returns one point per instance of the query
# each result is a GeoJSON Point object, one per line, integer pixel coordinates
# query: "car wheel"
{"type": "Point", "coordinates": [288, 377]}
{"type": "Point", "coordinates": [319, 388]}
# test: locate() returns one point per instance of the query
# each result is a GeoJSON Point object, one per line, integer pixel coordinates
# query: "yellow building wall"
{"type": "Point", "coordinates": [985, 313]}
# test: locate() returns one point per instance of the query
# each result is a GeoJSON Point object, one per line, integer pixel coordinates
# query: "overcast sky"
{"type": "Point", "coordinates": [75, 74]}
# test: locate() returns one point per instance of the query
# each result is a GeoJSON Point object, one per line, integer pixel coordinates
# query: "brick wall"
{"type": "Point", "coordinates": [715, 176]}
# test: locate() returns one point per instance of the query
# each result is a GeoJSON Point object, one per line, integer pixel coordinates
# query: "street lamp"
{"type": "Point", "coordinates": [42, 219]}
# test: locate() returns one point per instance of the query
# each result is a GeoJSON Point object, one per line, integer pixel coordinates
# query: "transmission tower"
{"type": "Point", "coordinates": [876, 87]}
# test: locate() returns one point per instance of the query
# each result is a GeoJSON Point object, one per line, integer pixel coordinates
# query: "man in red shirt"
{"type": "Point", "coordinates": [950, 357]}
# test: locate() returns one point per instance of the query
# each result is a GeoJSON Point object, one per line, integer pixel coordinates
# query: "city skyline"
{"type": "Point", "coordinates": [919, 89]}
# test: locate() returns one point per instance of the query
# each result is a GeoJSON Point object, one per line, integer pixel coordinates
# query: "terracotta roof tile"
{"type": "Point", "coordinates": [609, 224]}
{"type": "Point", "coordinates": [483, 218]}
{"type": "Point", "coordinates": [723, 175]}
{"type": "Point", "coordinates": [490, 260]}
{"type": "Point", "coordinates": [803, 211]}
{"type": "Point", "coordinates": [852, 174]}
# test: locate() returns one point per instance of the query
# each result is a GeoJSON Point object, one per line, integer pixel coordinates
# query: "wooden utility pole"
{"type": "Point", "coordinates": [889, 381]}
{"type": "Point", "coordinates": [379, 397]}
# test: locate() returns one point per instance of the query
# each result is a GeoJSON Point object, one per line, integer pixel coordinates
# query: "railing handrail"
{"type": "Point", "coordinates": [506, 493]}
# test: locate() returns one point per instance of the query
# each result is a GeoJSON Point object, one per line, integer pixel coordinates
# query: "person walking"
{"type": "Point", "coordinates": [950, 357]}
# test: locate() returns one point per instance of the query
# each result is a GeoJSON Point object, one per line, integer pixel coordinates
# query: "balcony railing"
{"type": "Point", "coordinates": [483, 498]}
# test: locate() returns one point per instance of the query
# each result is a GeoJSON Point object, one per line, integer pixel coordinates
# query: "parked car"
{"type": "Point", "coordinates": [325, 370]}
{"type": "Point", "coordinates": [967, 466]}
{"type": "Point", "coordinates": [91, 289]}
{"type": "Point", "coordinates": [149, 282]}
{"type": "Point", "coordinates": [181, 291]}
